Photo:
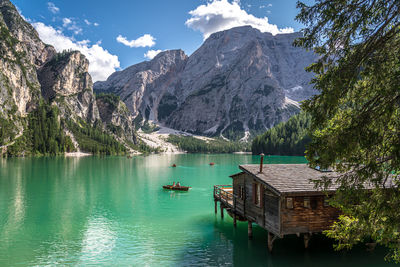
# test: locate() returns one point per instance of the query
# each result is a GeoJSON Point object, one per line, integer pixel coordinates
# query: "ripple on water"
{"type": "Point", "coordinates": [113, 211]}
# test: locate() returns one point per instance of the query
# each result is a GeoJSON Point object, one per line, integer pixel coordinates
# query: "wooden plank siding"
{"type": "Point", "coordinates": [272, 212]}
{"type": "Point", "coordinates": [301, 219]}
{"type": "Point", "coordinates": [267, 213]}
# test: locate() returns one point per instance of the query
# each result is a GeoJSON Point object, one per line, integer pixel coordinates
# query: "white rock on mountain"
{"type": "Point", "coordinates": [239, 80]}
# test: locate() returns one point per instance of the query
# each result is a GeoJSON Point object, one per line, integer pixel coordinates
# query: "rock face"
{"type": "Point", "coordinates": [65, 80]}
{"type": "Point", "coordinates": [141, 86]}
{"type": "Point", "coordinates": [31, 70]}
{"type": "Point", "coordinates": [116, 117]}
{"type": "Point", "coordinates": [21, 53]}
{"type": "Point", "coordinates": [239, 81]}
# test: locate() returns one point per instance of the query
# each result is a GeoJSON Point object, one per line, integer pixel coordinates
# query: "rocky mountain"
{"type": "Point", "coordinates": [116, 117]}
{"type": "Point", "coordinates": [239, 81]}
{"type": "Point", "coordinates": [65, 80]}
{"type": "Point", "coordinates": [34, 77]}
{"type": "Point", "coordinates": [21, 53]}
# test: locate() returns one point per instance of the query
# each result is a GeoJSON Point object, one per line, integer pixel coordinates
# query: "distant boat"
{"type": "Point", "coordinates": [212, 163]}
{"type": "Point", "coordinates": [178, 188]}
{"type": "Point", "coordinates": [174, 165]}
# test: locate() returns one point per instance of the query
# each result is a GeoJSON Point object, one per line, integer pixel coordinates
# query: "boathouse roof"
{"type": "Point", "coordinates": [289, 178]}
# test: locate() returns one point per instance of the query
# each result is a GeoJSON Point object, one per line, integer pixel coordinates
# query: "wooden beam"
{"type": "Point", "coordinates": [271, 239]}
{"type": "Point", "coordinates": [306, 239]}
{"type": "Point", "coordinates": [234, 220]}
{"type": "Point", "coordinates": [250, 229]}
{"type": "Point", "coordinates": [222, 210]}
{"type": "Point", "coordinates": [215, 202]}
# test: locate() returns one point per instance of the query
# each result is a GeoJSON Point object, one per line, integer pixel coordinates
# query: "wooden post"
{"type": "Point", "coordinates": [234, 211]}
{"type": "Point", "coordinates": [250, 229]}
{"type": "Point", "coordinates": [306, 239]}
{"type": "Point", "coordinates": [222, 210]}
{"type": "Point", "coordinates": [270, 241]}
{"type": "Point", "coordinates": [215, 202]}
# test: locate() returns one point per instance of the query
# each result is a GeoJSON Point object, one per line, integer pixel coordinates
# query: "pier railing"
{"type": "Point", "coordinates": [224, 193]}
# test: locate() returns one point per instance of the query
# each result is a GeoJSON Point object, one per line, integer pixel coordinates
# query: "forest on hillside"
{"type": "Point", "coordinates": [44, 135]}
{"type": "Point", "coordinates": [287, 138]}
{"type": "Point", "coordinates": [191, 144]}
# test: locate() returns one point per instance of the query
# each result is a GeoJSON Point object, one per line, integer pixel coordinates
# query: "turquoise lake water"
{"type": "Point", "coordinates": [113, 211]}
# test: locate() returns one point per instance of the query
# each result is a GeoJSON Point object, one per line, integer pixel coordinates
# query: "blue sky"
{"type": "Point", "coordinates": [116, 34]}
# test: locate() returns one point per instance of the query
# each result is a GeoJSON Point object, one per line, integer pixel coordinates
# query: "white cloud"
{"type": "Point", "coordinates": [52, 7]}
{"type": "Point", "coordinates": [152, 53]}
{"type": "Point", "coordinates": [102, 63]}
{"type": "Point", "coordinates": [220, 15]}
{"type": "Point", "coordinates": [66, 22]}
{"type": "Point", "coordinates": [143, 41]}
{"type": "Point", "coordinates": [71, 25]}
{"type": "Point", "coordinates": [91, 23]}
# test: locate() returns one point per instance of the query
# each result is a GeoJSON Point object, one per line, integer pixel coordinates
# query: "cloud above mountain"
{"type": "Point", "coordinates": [152, 53]}
{"type": "Point", "coordinates": [52, 8]}
{"type": "Point", "coordinates": [143, 41]}
{"type": "Point", "coordinates": [102, 62]}
{"type": "Point", "coordinates": [220, 15]}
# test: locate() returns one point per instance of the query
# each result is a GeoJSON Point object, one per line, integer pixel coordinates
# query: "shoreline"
{"type": "Point", "coordinates": [77, 154]}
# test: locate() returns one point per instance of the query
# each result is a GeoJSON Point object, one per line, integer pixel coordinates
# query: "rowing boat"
{"type": "Point", "coordinates": [178, 188]}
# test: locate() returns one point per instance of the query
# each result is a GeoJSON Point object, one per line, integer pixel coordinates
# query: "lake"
{"type": "Point", "coordinates": [113, 211]}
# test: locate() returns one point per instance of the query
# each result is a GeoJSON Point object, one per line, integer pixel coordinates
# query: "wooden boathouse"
{"type": "Point", "coordinates": [280, 198]}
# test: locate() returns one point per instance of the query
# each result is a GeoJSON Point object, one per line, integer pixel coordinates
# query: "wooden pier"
{"type": "Point", "coordinates": [278, 197]}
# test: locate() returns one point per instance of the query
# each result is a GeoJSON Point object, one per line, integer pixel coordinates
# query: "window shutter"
{"type": "Point", "coordinates": [254, 193]}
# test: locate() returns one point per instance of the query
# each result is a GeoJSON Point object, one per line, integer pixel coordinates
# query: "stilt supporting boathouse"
{"type": "Point", "coordinates": [279, 198]}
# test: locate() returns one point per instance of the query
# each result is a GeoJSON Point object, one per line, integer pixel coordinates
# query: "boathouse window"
{"type": "Point", "coordinates": [241, 192]}
{"type": "Point", "coordinates": [306, 202]}
{"type": "Point", "coordinates": [289, 203]}
{"type": "Point", "coordinates": [314, 203]}
{"type": "Point", "coordinates": [257, 194]}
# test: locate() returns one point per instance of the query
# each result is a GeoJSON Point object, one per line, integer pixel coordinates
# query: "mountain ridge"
{"type": "Point", "coordinates": [238, 82]}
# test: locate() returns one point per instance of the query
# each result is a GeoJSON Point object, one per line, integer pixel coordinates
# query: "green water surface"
{"type": "Point", "coordinates": [113, 211]}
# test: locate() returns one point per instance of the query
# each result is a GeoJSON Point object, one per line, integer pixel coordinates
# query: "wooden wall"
{"type": "Point", "coordinates": [306, 220]}
{"type": "Point", "coordinates": [272, 212]}
{"type": "Point", "coordinates": [266, 214]}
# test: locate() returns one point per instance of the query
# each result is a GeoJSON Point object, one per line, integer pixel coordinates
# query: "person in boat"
{"type": "Point", "coordinates": [173, 184]}
{"type": "Point", "coordinates": [178, 184]}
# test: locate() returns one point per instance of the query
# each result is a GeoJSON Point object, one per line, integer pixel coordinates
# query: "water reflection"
{"type": "Point", "coordinates": [15, 199]}
{"type": "Point", "coordinates": [113, 211]}
{"type": "Point", "coordinates": [98, 241]}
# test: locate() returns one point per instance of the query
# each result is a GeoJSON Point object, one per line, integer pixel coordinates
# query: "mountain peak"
{"type": "Point", "coordinates": [240, 80]}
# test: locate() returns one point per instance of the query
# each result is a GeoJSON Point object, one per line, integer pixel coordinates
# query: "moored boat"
{"type": "Point", "coordinates": [176, 187]}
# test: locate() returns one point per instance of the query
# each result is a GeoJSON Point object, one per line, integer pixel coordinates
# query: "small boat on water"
{"type": "Point", "coordinates": [176, 187]}
{"type": "Point", "coordinates": [174, 165]}
{"type": "Point", "coordinates": [212, 163]}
